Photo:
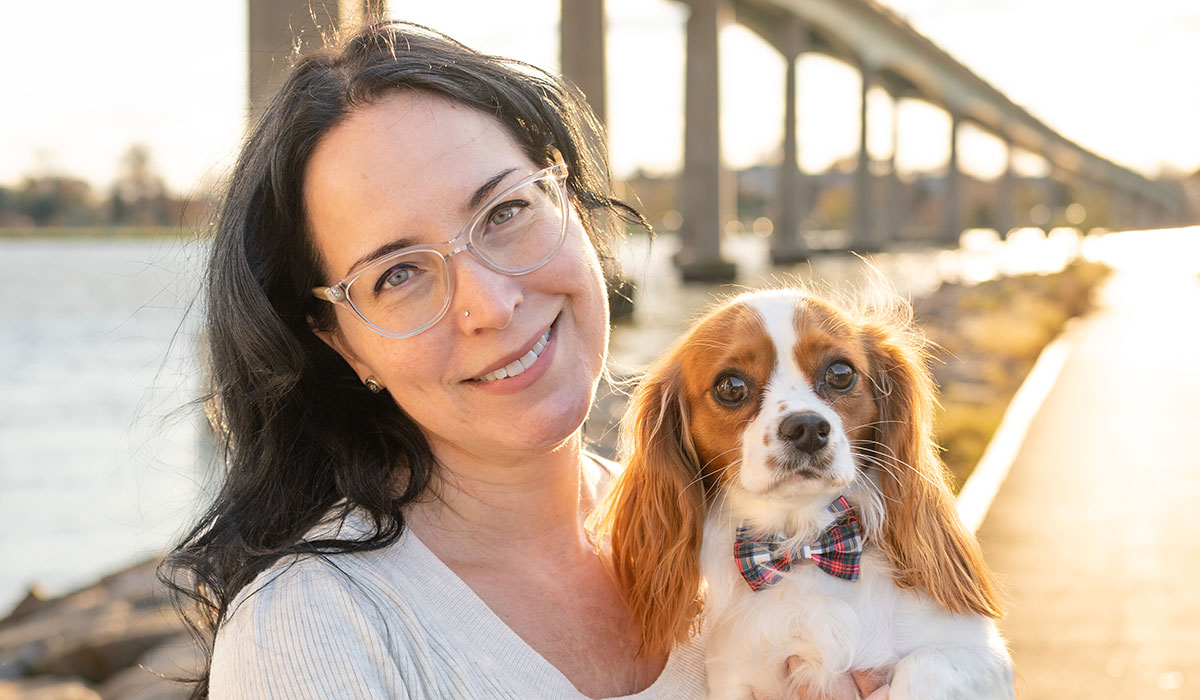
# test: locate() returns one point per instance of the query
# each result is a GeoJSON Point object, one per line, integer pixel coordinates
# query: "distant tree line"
{"type": "Point", "coordinates": [137, 197]}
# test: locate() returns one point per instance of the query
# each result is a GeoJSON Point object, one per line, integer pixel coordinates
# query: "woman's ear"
{"type": "Point", "coordinates": [654, 515]}
{"type": "Point", "coordinates": [336, 340]}
{"type": "Point", "coordinates": [923, 538]}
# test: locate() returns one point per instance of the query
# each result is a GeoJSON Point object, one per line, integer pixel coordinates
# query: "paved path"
{"type": "Point", "coordinates": [1096, 532]}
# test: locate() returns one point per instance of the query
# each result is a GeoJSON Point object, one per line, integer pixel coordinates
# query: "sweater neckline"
{"type": "Point", "coordinates": [474, 620]}
{"type": "Point", "coordinates": [468, 618]}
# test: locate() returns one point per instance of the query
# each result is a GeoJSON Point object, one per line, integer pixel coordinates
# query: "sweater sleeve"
{"type": "Point", "coordinates": [306, 630]}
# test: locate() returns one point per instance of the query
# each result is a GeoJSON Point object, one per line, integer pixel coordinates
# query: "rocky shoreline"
{"type": "Point", "coordinates": [121, 639]}
{"type": "Point", "coordinates": [117, 639]}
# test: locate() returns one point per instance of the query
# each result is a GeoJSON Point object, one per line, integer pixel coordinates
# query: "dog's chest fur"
{"type": "Point", "coordinates": [843, 625]}
{"type": "Point", "coordinates": [852, 622]}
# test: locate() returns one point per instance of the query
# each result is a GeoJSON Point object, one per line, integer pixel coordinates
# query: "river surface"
{"type": "Point", "coordinates": [102, 456]}
{"type": "Point", "coordinates": [98, 446]}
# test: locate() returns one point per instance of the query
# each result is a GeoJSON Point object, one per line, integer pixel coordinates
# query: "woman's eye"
{"type": "Point", "coordinates": [730, 390]}
{"type": "Point", "coordinates": [503, 213]}
{"type": "Point", "coordinates": [840, 376]}
{"type": "Point", "coordinates": [395, 277]}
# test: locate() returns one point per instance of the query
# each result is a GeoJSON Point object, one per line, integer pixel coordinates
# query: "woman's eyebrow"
{"type": "Point", "coordinates": [476, 199]}
{"type": "Point", "coordinates": [486, 189]}
{"type": "Point", "coordinates": [391, 247]}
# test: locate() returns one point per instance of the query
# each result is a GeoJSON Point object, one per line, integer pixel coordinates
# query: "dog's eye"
{"type": "Point", "coordinates": [840, 376]}
{"type": "Point", "coordinates": [730, 390]}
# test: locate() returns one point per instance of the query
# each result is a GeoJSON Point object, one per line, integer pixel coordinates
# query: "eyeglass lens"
{"type": "Point", "coordinates": [519, 231]}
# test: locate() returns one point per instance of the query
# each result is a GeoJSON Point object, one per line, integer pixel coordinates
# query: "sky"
{"type": "Point", "coordinates": [81, 81]}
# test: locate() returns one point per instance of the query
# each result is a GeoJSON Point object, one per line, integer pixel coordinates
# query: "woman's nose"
{"type": "Point", "coordinates": [483, 298]}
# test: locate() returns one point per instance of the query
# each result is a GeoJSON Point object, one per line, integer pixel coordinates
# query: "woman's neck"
{"type": "Point", "coordinates": [483, 508]}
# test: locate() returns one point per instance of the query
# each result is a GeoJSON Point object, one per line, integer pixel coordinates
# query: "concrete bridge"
{"type": "Point", "coordinates": [887, 51]}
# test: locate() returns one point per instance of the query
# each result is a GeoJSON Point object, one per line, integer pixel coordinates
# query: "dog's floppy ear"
{"type": "Point", "coordinates": [654, 515]}
{"type": "Point", "coordinates": [923, 538]}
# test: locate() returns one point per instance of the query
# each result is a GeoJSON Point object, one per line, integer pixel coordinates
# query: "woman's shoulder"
{"type": "Point", "coordinates": [346, 624]}
{"type": "Point", "coordinates": [298, 580]}
{"type": "Point", "coordinates": [599, 473]}
{"type": "Point", "coordinates": [310, 613]}
{"type": "Point", "coordinates": [320, 591]}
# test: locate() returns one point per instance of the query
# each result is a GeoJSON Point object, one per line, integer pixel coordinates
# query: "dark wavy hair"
{"type": "Point", "coordinates": [298, 435]}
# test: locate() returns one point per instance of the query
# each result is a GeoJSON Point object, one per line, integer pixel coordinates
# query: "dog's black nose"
{"type": "Point", "coordinates": [808, 431]}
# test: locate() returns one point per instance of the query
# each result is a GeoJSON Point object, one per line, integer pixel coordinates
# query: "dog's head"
{"type": "Point", "coordinates": [777, 402]}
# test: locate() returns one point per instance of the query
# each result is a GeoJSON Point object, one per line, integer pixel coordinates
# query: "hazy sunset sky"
{"type": "Point", "coordinates": [81, 81]}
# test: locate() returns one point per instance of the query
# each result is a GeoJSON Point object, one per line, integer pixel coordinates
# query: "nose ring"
{"type": "Point", "coordinates": [466, 314]}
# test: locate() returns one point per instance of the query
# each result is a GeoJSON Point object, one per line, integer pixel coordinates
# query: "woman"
{"type": "Point", "coordinates": [406, 326]}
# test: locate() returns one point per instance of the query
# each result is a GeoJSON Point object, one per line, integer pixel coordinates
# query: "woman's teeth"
{"type": "Point", "coordinates": [520, 365]}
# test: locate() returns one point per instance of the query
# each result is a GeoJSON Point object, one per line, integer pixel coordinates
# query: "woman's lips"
{"type": "Point", "coordinates": [518, 366]}
{"type": "Point", "coordinates": [530, 374]}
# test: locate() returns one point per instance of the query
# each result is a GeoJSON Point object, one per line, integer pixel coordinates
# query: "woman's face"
{"type": "Point", "coordinates": [408, 167]}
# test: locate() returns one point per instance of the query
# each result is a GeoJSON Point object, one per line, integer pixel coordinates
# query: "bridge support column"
{"type": "Point", "coordinates": [787, 243]}
{"type": "Point", "coordinates": [953, 188]}
{"type": "Point", "coordinates": [582, 57]}
{"type": "Point", "coordinates": [1048, 198]}
{"type": "Point", "coordinates": [1005, 194]}
{"type": "Point", "coordinates": [582, 50]}
{"type": "Point", "coordinates": [896, 211]}
{"type": "Point", "coordinates": [700, 257]}
{"type": "Point", "coordinates": [863, 229]}
{"type": "Point", "coordinates": [275, 26]}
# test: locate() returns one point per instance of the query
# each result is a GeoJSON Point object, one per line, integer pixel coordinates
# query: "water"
{"type": "Point", "coordinates": [98, 447]}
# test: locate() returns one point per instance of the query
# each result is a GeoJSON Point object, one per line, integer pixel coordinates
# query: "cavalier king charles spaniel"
{"type": "Point", "coordinates": [783, 494]}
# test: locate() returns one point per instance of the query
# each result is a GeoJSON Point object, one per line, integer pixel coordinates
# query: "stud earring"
{"type": "Point", "coordinates": [373, 386]}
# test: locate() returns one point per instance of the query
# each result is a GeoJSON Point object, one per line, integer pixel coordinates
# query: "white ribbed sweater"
{"type": "Point", "coordinates": [391, 623]}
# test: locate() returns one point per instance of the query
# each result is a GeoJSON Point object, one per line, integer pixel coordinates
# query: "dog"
{"type": "Point", "coordinates": [782, 480]}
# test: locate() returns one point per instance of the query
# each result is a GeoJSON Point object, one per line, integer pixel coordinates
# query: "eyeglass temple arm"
{"type": "Point", "coordinates": [330, 294]}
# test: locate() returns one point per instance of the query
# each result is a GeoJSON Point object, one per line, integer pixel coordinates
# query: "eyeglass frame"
{"type": "Point", "coordinates": [339, 292]}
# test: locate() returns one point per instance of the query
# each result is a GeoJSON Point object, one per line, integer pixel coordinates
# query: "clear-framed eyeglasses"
{"type": "Point", "coordinates": [515, 232]}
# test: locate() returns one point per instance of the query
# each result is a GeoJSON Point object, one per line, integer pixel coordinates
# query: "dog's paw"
{"type": "Point", "coordinates": [812, 681]}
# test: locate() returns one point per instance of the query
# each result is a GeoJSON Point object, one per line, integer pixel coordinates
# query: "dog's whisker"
{"type": "Point", "coordinates": [885, 456]}
{"type": "Point", "coordinates": [718, 472]}
{"type": "Point", "coordinates": [896, 461]}
{"type": "Point", "coordinates": [884, 453]}
{"type": "Point", "coordinates": [718, 455]}
{"type": "Point", "coordinates": [877, 462]}
{"type": "Point", "coordinates": [862, 445]}
{"type": "Point", "coordinates": [873, 423]}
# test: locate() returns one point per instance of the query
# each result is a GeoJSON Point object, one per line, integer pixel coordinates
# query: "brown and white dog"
{"type": "Point", "coordinates": [777, 418]}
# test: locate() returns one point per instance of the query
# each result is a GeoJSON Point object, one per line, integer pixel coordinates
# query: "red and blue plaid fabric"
{"type": "Point", "coordinates": [837, 551]}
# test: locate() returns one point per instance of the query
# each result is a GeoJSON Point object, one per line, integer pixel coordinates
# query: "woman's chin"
{"type": "Point", "coordinates": [555, 431]}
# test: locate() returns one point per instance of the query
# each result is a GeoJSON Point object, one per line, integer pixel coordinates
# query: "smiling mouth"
{"type": "Point", "coordinates": [518, 366]}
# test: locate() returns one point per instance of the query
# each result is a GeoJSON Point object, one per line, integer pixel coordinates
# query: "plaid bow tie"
{"type": "Point", "coordinates": [837, 551]}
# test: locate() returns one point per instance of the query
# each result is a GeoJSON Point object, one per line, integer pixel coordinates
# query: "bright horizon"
{"type": "Point", "coordinates": [173, 80]}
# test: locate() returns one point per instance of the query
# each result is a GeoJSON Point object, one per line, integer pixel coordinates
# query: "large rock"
{"type": "Point", "coordinates": [157, 674]}
{"type": "Point", "coordinates": [92, 633]}
{"type": "Point", "coordinates": [46, 689]}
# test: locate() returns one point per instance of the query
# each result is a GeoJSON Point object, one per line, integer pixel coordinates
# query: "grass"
{"type": "Point", "coordinates": [988, 337]}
